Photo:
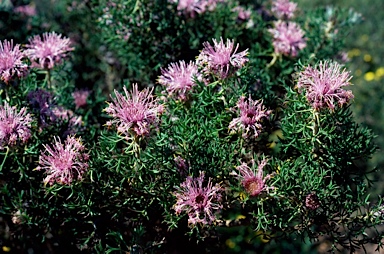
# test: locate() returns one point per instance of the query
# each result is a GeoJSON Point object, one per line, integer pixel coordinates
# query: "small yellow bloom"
{"type": "Point", "coordinates": [6, 249]}
{"type": "Point", "coordinates": [367, 58]}
{"type": "Point", "coordinates": [379, 72]}
{"type": "Point", "coordinates": [364, 38]}
{"type": "Point", "coordinates": [369, 76]}
{"type": "Point", "coordinates": [230, 243]}
{"type": "Point", "coordinates": [354, 52]}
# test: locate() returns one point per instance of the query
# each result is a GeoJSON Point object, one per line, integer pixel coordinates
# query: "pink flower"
{"type": "Point", "coordinates": [67, 118]}
{"type": "Point", "coordinates": [221, 59]}
{"type": "Point", "coordinates": [179, 78]}
{"type": "Point", "coordinates": [135, 112]}
{"type": "Point", "coordinates": [14, 126]}
{"type": "Point", "coordinates": [192, 7]}
{"type": "Point", "coordinates": [27, 10]}
{"type": "Point", "coordinates": [251, 116]}
{"type": "Point", "coordinates": [49, 51]}
{"type": "Point", "coordinates": [283, 9]}
{"type": "Point", "coordinates": [11, 64]}
{"type": "Point", "coordinates": [323, 85]}
{"type": "Point", "coordinates": [253, 182]}
{"type": "Point", "coordinates": [181, 165]}
{"type": "Point", "coordinates": [197, 201]}
{"type": "Point", "coordinates": [288, 38]}
{"type": "Point", "coordinates": [243, 14]}
{"type": "Point", "coordinates": [42, 101]}
{"type": "Point", "coordinates": [80, 98]}
{"type": "Point", "coordinates": [64, 163]}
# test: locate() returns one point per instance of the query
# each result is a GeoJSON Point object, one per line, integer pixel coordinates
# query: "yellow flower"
{"type": "Point", "coordinates": [369, 76]}
{"type": "Point", "coordinates": [6, 249]}
{"type": "Point", "coordinates": [354, 52]}
{"type": "Point", "coordinates": [367, 58]}
{"type": "Point", "coordinates": [379, 72]}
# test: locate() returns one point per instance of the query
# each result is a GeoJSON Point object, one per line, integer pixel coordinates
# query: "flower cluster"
{"type": "Point", "coordinates": [312, 201]}
{"type": "Point", "coordinates": [253, 182]}
{"type": "Point", "coordinates": [323, 85]}
{"type": "Point", "coordinates": [221, 59]}
{"type": "Point", "coordinates": [179, 78]}
{"type": "Point", "coordinates": [283, 9]}
{"type": "Point", "coordinates": [251, 115]}
{"type": "Point", "coordinates": [192, 7]}
{"type": "Point", "coordinates": [80, 98]}
{"type": "Point", "coordinates": [288, 38]}
{"type": "Point", "coordinates": [48, 51]}
{"type": "Point", "coordinates": [197, 201]}
{"type": "Point", "coordinates": [64, 163]}
{"type": "Point", "coordinates": [14, 126]}
{"type": "Point", "coordinates": [135, 112]}
{"type": "Point", "coordinates": [11, 64]}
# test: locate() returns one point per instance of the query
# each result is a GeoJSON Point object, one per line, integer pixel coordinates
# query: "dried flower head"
{"type": "Point", "coordinates": [251, 116]}
{"type": "Point", "coordinates": [323, 85]}
{"type": "Point", "coordinates": [67, 118]}
{"type": "Point", "coordinates": [221, 59]}
{"type": "Point", "coordinates": [312, 201]}
{"type": "Point", "coordinates": [253, 182]}
{"type": "Point", "coordinates": [11, 64]}
{"type": "Point", "coordinates": [42, 101]}
{"type": "Point", "coordinates": [135, 112]}
{"type": "Point", "coordinates": [197, 201]}
{"type": "Point", "coordinates": [14, 126]}
{"type": "Point", "coordinates": [283, 9]}
{"type": "Point", "coordinates": [288, 38]}
{"type": "Point", "coordinates": [179, 78]}
{"type": "Point", "coordinates": [80, 97]}
{"type": "Point", "coordinates": [48, 51]}
{"type": "Point", "coordinates": [64, 163]}
{"type": "Point", "coordinates": [181, 165]}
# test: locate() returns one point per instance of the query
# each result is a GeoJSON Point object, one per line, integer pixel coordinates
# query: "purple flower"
{"type": "Point", "coordinates": [253, 182]}
{"type": "Point", "coordinates": [135, 112]}
{"type": "Point", "coordinates": [181, 165]}
{"type": "Point", "coordinates": [42, 101]}
{"type": "Point", "coordinates": [283, 9]}
{"type": "Point", "coordinates": [11, 64]}
{"type": "Point", "coordinates": [243, 14]}
{"type": "Point", "coordinates": [80, 98]}
{"type": "Point", "coordinates": [192, 7]}
{"type": "Point", "coordinates": [221, 59]}
{"type": "Point", "coordinates": [14, 126]}
{"type": "Point", "coordinates": [288, 38]}
{"type": "Point", "coordinates": [64, 163]}
{"type": "Point", "coordinates": [27, 10]}
{"type": "Point", "coordinates": [251, 116]}
{"type": "Point", "coordinates": [49, 51]}
{"type": "Point", "coordinates": [179, 78]}
{"type": "Point", "coordinates": [323, 85]}
{"type": "Point", "coordinates": [197, 201]}
{"type": "Point", "coordinates": [66, 116]}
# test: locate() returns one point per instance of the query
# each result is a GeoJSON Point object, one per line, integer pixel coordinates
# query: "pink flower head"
{"type": "Point", "coordinates": [251, 116]}
{"type": "Point", "coordinates": [80, 97]}
{"type": "Point", "coordinates": [253, 182]}
{"type": "Point", "coordinates": [192, 7]}
{"type": "Point", "coordinates": [288, 38]}
{"type": "Point", "coordinates": [135, 112]}
{"type": "Point", "coordinates": [197, 201]}
{"type": "Point", "coordinates": [14, 126]}
{"type": "Point", "coordinates": [66, 116]}
{"type": "Point", "coordinates": [243, 14]}
{"type": "Point", "coordinates": [27, 10]}
{"type": "Point", "coordinates": [312, 201]}
{"type": "Point", "coordinates": [179, 78]}
{"type": "Point", "coordinates": [221, 59]}
{"type": "Point", "coordinates": [323, 85]}
{"type": "Point", "coordinates": [64, 163]}
{"type": "Point", "coordinates": [11, 64]}
{"type": "Point", "coordinates": [283, 9]}
{"type": "Point", "coordinates": [49, 51]}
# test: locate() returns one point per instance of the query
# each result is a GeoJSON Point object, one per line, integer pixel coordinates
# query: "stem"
{"type": "Point", "coordinates": [5, 157]}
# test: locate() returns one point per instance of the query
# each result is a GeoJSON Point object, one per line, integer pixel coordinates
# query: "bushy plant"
{"type": "Point", "coordinates": [232, 120]}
